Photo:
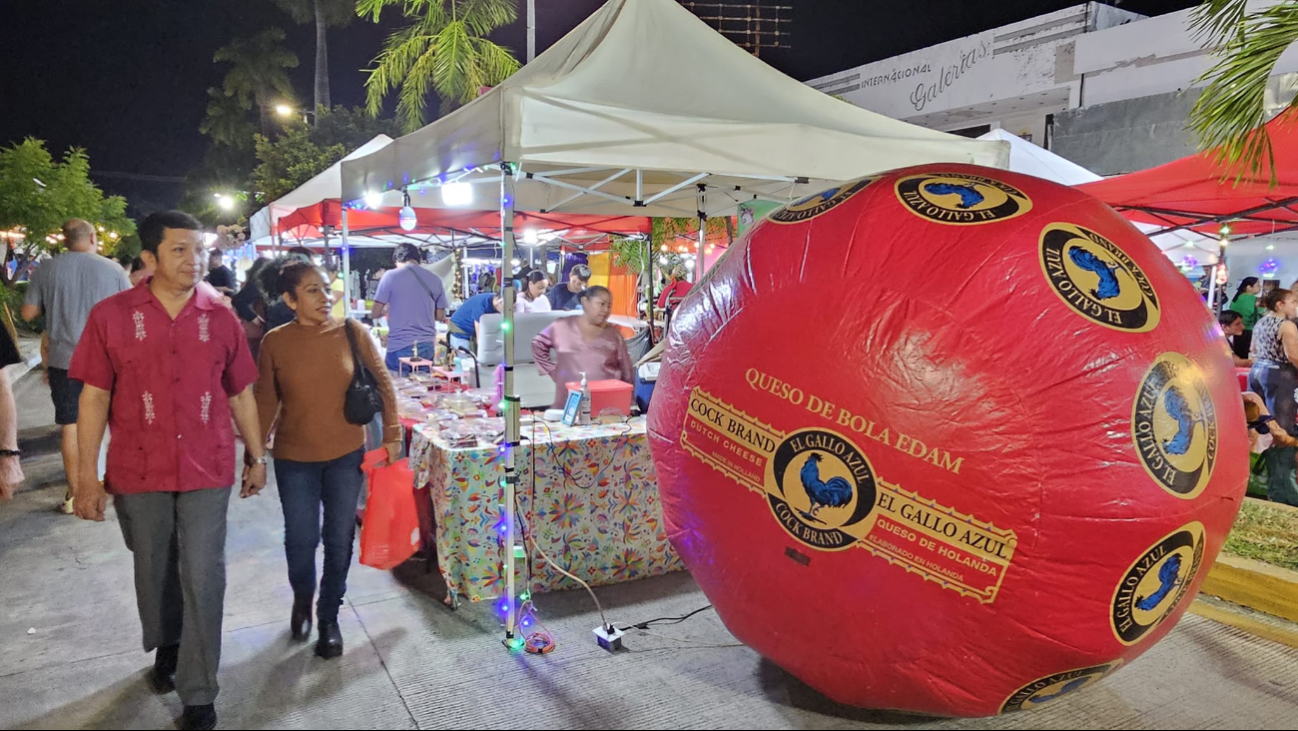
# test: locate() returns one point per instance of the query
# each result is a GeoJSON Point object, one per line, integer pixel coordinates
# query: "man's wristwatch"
{"type": "Point", "coordinates": [262, 460]}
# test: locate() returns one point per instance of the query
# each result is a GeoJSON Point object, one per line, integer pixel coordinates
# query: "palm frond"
{"type": "Point", "coordinates": [412, 104]}
{"type": "Point", "coordinates": [1228, 116]}
{"type": "Point", "coordinates": [485, 16]}
{"type": "Point", "coordinates": [451, 68]}
{"type": "Point", "coordinates": [496, 62]}
{"type": "Point", "coordinates": [372, 9]}
{"type": "Point", "coordinates": [1216, 21]}
{"type": "Point", "coordinates": [392, 66]}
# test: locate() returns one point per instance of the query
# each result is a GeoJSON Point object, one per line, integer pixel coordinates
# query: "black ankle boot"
{"type": "Point", "coordinates": [331, 641]}
{"type": "Point", "coordinates": [300, 622]}
{"type": "Point", "coordinates": [163, 675]}
{"type": "Point", "coordinates": [198, 718]}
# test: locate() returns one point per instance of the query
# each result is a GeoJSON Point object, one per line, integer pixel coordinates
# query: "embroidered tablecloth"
{"type": "Point", "coordinates": [592, 503]}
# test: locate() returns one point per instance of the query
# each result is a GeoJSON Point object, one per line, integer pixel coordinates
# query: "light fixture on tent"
{"type": "Point", "coordinates": [1269, 268]}
{"type": "Point", "coordinates": [530, 237]}
{"type": "Point", "coordinates": [407, 218]}
{"type": "Point", "coordinates": [1188, 264]}
{"type": "Point", "coordinates": [1225, 230]}
{"type": "Point", "coordinates": [373, 200]}
{"type": "Point", "coordinates": [1223, 275]}
{"type": "Point", "coordinates": [1270, 247]}
{"type": "Point", "coordinates": [457, 194]}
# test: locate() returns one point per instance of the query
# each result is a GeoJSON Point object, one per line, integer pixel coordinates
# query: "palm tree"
{"type": "Point", "coordinates": [445, 48]}
{"type": "Point", "coordinates": [1233, 105]}
{"type": "Point", "coordinates": [258, 75]}
{"type": "Point", "coordinates": [325, 14]}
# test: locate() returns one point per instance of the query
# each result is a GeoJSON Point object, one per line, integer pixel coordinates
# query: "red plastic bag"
{"type": "Point", "coordinates": [390, 530]}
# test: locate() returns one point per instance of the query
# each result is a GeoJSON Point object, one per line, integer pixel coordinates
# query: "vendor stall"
{"type": "Point", "coordinates": [586, 493]}
{"type": "Point", "coordinates": [641, 110]}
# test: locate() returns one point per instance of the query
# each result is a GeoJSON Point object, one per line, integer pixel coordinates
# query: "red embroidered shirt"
{"type": "Point", "coordinates": [170, 382]}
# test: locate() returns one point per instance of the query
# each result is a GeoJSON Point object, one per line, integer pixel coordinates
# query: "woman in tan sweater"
{"type": "Point", "coordinates": [306, 367]}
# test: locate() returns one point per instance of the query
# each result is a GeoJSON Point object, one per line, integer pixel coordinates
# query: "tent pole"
{"type": "Point", "coordinates": [703, 231]}
{"type": "Point", "coordinates": [347, 269]}
{"type": "Point", "coordinates": [649, 272]}
{"type": "Point", "coordinates": [512, 402]}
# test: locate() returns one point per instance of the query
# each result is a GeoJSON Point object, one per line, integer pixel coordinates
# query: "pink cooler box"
{"type": "Point", "coordinates": [610, 395]}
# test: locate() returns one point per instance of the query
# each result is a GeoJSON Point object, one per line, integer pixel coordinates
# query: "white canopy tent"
{"type": "Point", "coordinates": [641, 110]}
{"type": "Point", "coordinates": [326, 185]}
{"type": "Point", "coordinates": [1039, 162]}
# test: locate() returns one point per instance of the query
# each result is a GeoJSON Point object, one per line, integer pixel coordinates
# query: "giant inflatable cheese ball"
{"type": "Point", "coordinates": [948, 440]}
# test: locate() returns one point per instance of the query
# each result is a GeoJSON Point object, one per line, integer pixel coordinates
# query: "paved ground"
{"type": "Point", "coordinates": [70, 656]}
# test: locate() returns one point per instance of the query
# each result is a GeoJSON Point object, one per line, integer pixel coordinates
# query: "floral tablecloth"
{"type": "Point", "coordinates": [592, 503]}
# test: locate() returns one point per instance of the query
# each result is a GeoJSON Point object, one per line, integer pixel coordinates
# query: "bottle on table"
{"type": "Point", "coordinates": [585, 401]}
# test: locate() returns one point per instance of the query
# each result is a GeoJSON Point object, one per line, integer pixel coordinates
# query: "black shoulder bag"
{"type": "Point", "coordinates": [363, 400]}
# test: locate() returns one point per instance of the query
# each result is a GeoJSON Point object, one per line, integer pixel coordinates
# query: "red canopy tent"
{"type": "Point", "coordinates": [1199, 194]}
{"type": "Point", "coordinates": [308, 222]}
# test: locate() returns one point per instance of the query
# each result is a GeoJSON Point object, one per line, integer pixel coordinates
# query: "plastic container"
{"type": "Point", "coordinates": [607, 396]}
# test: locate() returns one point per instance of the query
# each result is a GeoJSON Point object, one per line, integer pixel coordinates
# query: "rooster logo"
{"type": "Point", "coordinates": [1174, 426]}
{"type": "Point", "coordinates": [1157, 583]}
{"type": "Point", "coordinates": [1169, 578]}
{"type": "Point", "coordinates": [834, 493]}
{"type": "Point", "coordinates": [814, 205]}
{"type": "Point", "coordinates": [1178, 407]}
{"type": "Point", "coordinates": [822, 489]}
{"type": "Point", "coordinates": [969, 195]}
{"type": "Point", "coordinates": [1053, 687]}
{"type": "Point", "coordinates": [1108, 286]}
{"type": "Point", "coordinates": [1096, 279]}
{"type": "Point", "coordinates": [961, 199]}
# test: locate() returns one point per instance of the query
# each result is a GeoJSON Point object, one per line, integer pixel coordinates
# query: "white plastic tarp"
{"type": "Point", "coordinates": [644, 85]}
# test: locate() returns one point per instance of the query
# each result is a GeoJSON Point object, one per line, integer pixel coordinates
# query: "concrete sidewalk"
{"type": "Point", "coordinates": [70, 654]}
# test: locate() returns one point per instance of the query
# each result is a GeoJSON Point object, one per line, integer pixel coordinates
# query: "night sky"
{"type": "Point", "coordinates": [127, 79]}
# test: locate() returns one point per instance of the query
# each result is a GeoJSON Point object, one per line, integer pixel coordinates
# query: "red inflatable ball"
{"type": "Point", "coordinates": [948, 440]}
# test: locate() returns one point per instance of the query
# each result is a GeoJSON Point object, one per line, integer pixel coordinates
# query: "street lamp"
{"type": "Point", "coordinates": [286, 111]}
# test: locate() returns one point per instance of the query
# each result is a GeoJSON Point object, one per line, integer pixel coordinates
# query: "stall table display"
{"type": "Point", "coordinates": [588, 496]}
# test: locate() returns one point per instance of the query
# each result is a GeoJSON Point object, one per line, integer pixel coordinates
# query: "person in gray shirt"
{"type": "Point", "coordinates": [65, 289]}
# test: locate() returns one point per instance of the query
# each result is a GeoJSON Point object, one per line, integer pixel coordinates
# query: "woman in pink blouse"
{"type": "Point", "coordinates": [586, 344]}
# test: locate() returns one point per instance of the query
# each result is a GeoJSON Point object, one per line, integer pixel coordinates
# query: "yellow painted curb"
{"type": "Point", "coordinates": [1241, 621]}
{"type": "Point", "coordinates": [1256, 585]}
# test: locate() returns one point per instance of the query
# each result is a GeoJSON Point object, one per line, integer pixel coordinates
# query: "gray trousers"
{"type": "Point", "coordinates": [178, 540]}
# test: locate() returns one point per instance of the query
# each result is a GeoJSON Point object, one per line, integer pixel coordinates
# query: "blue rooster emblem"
{"type": "Point", "coordinates": [1069, 688]}
{"type": "Point", "coordinates": [1178, 407]}
{"type": "Point", "coordinates": [823, 196]}
{"type": "Point", "coordinates": [969, 195]}
{"type": "Point", "coordinates": [1169, 577]}
{"type": "Point", "coordinates": [835, 493]}
{"type": "Point", "coordinates": [1108, 286]}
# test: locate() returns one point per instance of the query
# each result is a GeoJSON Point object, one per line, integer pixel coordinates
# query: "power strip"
{"type": "Point", "coordinates": [609, 638]}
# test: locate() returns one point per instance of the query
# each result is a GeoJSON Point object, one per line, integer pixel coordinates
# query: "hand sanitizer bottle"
{"type": "Point", "coordinates": [585, 401]}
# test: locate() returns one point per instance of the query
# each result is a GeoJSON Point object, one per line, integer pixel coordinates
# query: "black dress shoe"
{"type": "Point", "coordinates": [300, 622]}
{"type": "Point", "coordinates": [163, 675]}
{"type": "Point", "coordinates": [198, 718]}
{"type": "Point", "coordinates": [331, 641]}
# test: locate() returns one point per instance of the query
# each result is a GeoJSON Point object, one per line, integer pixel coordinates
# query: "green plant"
{"type": "Point", "coordinates": [258, 75]}
{"type": "Point", "coordinates": [1229, 115]}
{"type": "Point", "coordinates": [1265, 532]}
{"type": "Point", "coordinates": [445, 50]}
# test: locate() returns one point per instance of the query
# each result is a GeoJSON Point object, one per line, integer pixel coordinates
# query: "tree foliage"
{"type": "Point", "coordinates": [302, 152]}
{"type": "Point", "coordinates": [1233, 107]}
{"type": "Point", "coordinates": [258, 75]}
{"type": "Point", "coordinates": [444, 50]}
{"type": "Point", "coordinates": [39, 193]}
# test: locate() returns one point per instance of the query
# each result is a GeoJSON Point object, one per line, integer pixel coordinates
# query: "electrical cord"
{"type": "Point", "coordinates": [665, 620]}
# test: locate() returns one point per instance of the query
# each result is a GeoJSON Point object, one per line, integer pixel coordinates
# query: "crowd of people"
{"type": "Point", "coordinates": [173, 359]}
{"type": "Point", "coordinates": [1263, 336]}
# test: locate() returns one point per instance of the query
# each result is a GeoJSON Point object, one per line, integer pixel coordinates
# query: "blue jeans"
{"type": "Point", "coordinates": [1275, 383]}
{"type": "Point", "coordinates": [427, 351]}
{"type": "Point", "coordinates": [303, 488]}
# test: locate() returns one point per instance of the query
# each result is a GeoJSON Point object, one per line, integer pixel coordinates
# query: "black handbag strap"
{"type": "Point", "coordinates": [358, 376]}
